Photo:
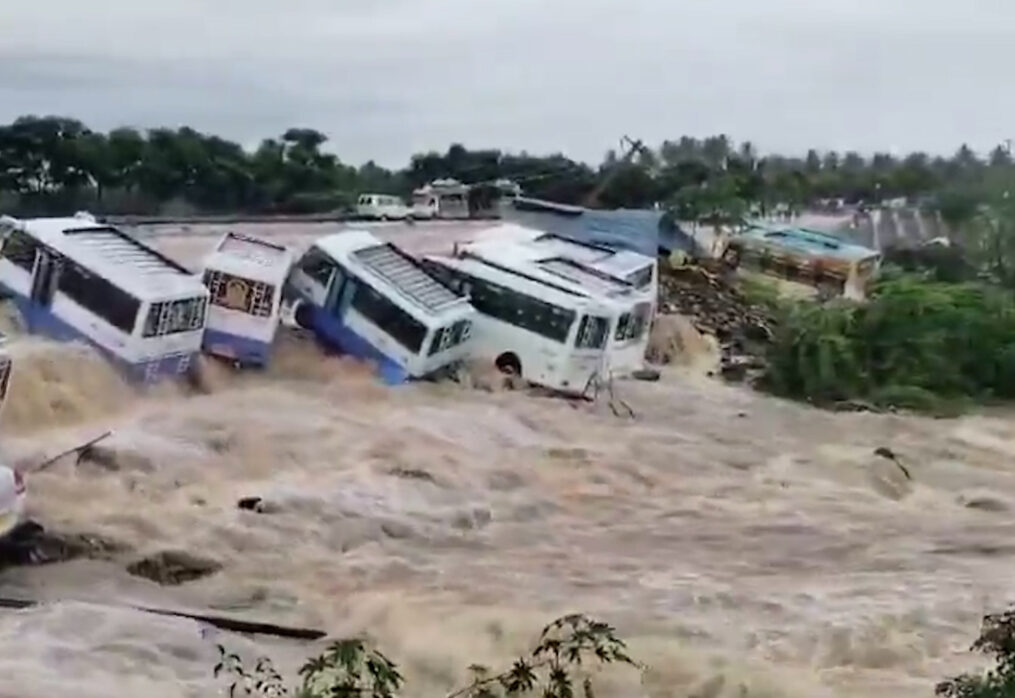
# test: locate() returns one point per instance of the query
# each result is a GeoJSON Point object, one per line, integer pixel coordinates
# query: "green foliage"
{"type": "Point", "coordinates": [351, 668]}
{"type": "Point", "coordinates": [947, 263]}
{"type": "Point", "coordinates": [54, 164]}
{"type": "Point", "coordinates": [761, 291]}
{"type": "Point", "coordinates": [997, 641]}
{"type": "Point", "coordinates": [915, 343]}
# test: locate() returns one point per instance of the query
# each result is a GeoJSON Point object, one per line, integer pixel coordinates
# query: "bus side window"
{"type": "Point", "coordinates": [592, 332]}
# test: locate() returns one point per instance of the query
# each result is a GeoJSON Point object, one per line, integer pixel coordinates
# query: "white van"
{"type": "Point", "coordinates": [382, 207]}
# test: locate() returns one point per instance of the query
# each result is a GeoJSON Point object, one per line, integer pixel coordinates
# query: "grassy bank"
{"type": "Point", "coordinates": [918, 343]}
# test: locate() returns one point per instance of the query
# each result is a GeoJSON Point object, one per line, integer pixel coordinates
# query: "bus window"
{"type": "Point", "coordinates": [632, 325]}
{"type": "Point", "coordinates": [96, 295]}
{"type": "Point", "coordinates": [20, 250]}
{"type": "Point", "coordinates": [447, 337]}
{"type": "Point", "coordinates": [520, 310]}
{"type": "Point", "coordinates": [404, 328]}
{"type": "Point", "coordinates": [623, 327]}
{"type": "Point", "coordinates": [592, 332]}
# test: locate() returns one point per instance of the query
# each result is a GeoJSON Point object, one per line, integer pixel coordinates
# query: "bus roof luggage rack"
{"type": "Point", "coordinates": [117, 247]}
{"type": "Point", "coordinates": [407, 276]}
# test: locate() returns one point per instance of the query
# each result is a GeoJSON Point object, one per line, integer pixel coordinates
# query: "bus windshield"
{"type": "Point", "coordinates": [170, 317]}
{"type": "Point", "coordinates": [239, 293]}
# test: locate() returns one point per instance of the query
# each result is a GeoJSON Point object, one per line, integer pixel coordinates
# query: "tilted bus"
{"type": "Point", "coordinates": [833, 265]}
{"type": "Point", "coordinates": [245, 277]}
{"type": "Point", "coordinates": [74, 279]}
{"type": "Point", "coordinates": [371, 300]}
{"type": "Point", "coordinates": [624, 279]}
{"type": "Point", "coordinates": [544, 332]}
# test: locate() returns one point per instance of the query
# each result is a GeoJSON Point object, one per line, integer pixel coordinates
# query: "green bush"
{"type": "Point", "coordinates": [997, 640]}
{"type": "Point", "coordinates": [916, 343]}
{"type": "Point", "coordinates": [351, 668]}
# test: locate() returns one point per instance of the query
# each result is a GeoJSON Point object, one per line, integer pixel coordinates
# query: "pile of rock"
{"type": "Point", "coordinates": [716, 307]}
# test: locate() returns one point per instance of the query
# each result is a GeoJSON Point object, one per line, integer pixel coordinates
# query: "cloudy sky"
{"type": "Point", "coordinates": [385, 78]}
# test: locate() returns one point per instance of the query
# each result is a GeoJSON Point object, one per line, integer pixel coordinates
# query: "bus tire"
{"type": "Point", "coordinates": [509, 363]}
{"type": "Point", "coordinates": [303, 315]}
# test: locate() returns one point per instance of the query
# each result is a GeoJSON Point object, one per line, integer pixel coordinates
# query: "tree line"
{"type": "Point", "coordinates": [55, 164]}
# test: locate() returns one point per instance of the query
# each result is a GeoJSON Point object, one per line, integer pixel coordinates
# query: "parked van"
{"type": "Point", "coordinates": [382, 207]}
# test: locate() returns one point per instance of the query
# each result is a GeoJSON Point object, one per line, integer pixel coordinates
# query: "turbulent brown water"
{"type": "Point", "coordinates": [745, 546]}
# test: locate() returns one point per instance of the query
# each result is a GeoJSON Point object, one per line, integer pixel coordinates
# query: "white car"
{"type": "Point", "coordinates": [12, 500]}
{"type": "Point", "coordinates": [382, 207]}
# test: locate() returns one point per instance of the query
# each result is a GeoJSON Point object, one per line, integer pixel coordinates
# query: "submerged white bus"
{"type": "Point", "coordinates": [370, 299]}
{"type": "Point", "coordinates": [626, 281]}
{"type": "Point", "coordinates": [244, 276]}
{"type": "Point", "coordinates": [546, 333]}
{"type": "Point", "coordinates": [74, 279]}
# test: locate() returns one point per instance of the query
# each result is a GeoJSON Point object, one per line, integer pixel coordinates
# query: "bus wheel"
{"type": "Point", "coordinates": [303, 316]}
{"type": "Point", "coordinates": [509, 364]}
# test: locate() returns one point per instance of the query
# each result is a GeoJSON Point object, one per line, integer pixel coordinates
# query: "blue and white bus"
{"type": "Point", "coordinates": [245, 277]}
{"type": "Point", "coordinates": [73, 279]}
{"type": "Point", "coordinates": [371, 300]}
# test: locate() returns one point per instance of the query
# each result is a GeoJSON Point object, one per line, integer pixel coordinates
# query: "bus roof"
{"type": "Point", "coordinates": [251, 257]}
{"type": "Point", "coordinates": [547, 266]}
{"type": "Point", "coordinates": [116, 256]}
{"type": "Point", "coordinates": [809, 242]}
{"type": "Point", "coordinates": [394, 267]}
{"type": "Point", "coordinates": [615, 262]}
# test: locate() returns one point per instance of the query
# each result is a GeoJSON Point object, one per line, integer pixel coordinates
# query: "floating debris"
{"type": "Point", "coordinates": [173, 567]}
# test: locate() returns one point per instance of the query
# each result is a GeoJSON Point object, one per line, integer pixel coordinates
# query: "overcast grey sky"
{"type": "Point", "coordinates": [386, 78]}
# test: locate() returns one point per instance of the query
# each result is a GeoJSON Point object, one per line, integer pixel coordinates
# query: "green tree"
{"type": "Point", "coordinates": [990, 234]}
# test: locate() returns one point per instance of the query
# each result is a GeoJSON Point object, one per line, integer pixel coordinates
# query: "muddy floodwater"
{"type": "Point", "coordinates": [745, 546]}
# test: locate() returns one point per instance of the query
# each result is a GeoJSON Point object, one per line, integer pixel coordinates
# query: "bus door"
{"type": "Point", "coordinates": [45, 274]}
{"type": "Point", "coordinates": [340, 292]}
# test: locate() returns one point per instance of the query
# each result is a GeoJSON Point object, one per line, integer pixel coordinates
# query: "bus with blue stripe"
{"type": "Point", "coordinates": [74, 279]}
{"type": "Point", "coordinates": [371, 300]}
{"type": "Point", "coordinates": [245, 277]}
